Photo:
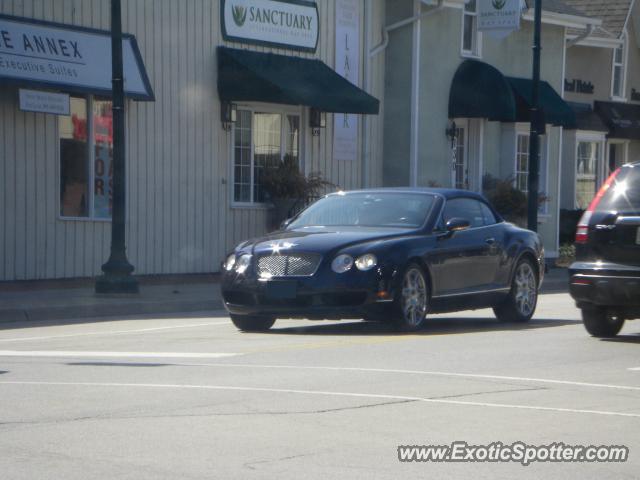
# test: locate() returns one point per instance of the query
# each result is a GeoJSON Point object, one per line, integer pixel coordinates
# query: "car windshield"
{"type": "Point", "coordinates": [391, 210]}
{"type": "Point", "coordinates": [624, 194]}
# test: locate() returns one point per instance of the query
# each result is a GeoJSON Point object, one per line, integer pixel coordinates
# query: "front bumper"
{"type": "Point", "coordinates": [326, 295]}
{"type": "Point", "coordinates": [605, 284]}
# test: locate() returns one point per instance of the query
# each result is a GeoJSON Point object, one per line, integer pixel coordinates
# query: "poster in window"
{"type": "Point", "coordinates": [345, 140]}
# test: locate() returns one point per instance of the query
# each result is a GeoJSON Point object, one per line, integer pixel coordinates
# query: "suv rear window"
{"type": "Point", "coordinates": [624, 194]}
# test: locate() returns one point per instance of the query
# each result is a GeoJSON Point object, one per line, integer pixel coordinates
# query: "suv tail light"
{"type": "Point", "coordinates": [582, 232]}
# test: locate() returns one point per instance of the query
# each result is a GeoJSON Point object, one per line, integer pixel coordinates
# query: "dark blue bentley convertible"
{"type": "Point", "coordinates": [387, 254]}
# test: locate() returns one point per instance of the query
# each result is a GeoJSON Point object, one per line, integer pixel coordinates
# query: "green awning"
{"type": "Point", "coordinates": [556, 111]}
{"type": "Point", "coordinates": [623, 119]}
{"type": "Point", "coordinates": [479, 90]}
{"type": "Point", "coordinates": [245, 75]}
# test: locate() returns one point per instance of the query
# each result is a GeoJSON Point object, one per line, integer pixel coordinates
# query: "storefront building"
{"type": "Point", "coordinates": [217, 91]}
{"type": "Point", "coordinates": [471, 96]}
{"type": "Point", "coordinates": [606, 98]}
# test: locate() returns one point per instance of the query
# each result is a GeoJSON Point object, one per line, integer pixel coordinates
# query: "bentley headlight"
{"type": "Point", "coordinates": [243, 263]}
{"type": "Point", "coordinates": [342, 263]}
{"type": "Point", "coordinates": [230, 262]}
{"type": "Point", "coordinates": [366, 262]}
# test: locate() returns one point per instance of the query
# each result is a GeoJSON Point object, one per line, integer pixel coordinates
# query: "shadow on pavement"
{"type": "Point", "coordinates": [433, 327]}
{"type": "Point", "coordinates": [623, 339]}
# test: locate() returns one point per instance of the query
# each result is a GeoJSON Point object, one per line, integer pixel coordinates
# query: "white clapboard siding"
{"type": "Point", "coordinates": [179, 217]}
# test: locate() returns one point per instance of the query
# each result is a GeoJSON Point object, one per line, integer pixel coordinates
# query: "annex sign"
{"type": "Point", "coordinates": [70, 58]}
{"type": "Point", "coordinates": [289, 24]}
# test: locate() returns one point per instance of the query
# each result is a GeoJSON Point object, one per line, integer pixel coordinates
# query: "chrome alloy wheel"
{"type": "Point", "coordinates": [526, 289]}
{"type": "Point", "coordinates": [414, 297]}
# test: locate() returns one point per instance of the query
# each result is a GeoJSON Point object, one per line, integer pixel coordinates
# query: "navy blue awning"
{"type": "Point", "coordinates": [480, 90]}
{"type": "Point", "coordinates": [245, 75]}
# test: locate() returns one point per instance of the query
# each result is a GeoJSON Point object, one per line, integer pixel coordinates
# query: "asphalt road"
{"type": "Point", "coordinates": [182, 398]}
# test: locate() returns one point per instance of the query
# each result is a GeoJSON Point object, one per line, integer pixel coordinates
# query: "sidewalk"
{"type": "Point", "coordinates": [74, 300]}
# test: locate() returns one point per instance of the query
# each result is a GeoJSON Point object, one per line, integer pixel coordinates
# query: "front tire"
{"type": "Point", "coordinates": [601, 323]}
{"type": "Point", "coordinates": [253, 323]}
{"type": "Point", "coordinates": [412, 303]}
{"type": "Point", "coordinates": [521, 303]}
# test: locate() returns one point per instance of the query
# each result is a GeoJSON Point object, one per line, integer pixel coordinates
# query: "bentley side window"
{"type": "Point", "coordinates": [489, 217]}
{"type": "Point", "coordinates": [466, 208]}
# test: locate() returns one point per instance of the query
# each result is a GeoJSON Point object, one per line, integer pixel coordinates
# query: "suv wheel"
{"type": "Point", "coordinates": [602, 323]}
{"type": "Point", "coordinates": [253, 323]}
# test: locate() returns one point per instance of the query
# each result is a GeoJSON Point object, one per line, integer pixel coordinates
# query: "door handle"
{"type": "Point", "coordinates": [490, 241]}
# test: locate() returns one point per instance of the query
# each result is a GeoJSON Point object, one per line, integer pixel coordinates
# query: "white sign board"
{"type": "Point", "coordinates": [54, 55]}
{"type": "Point", "coordinates": [44, 102]}
{"type": "Point", "coordinates": [499, 18]}
{"type": "Point", "coordinates": [290, 24]}
{"type": "Point", "coordinates": [345, 133]}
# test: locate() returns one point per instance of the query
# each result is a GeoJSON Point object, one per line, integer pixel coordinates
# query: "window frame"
{"type": "Point", "coordinates": [91, 143]}
{"type": "Point", "coordinates": [476, 35]}
{"type": "Point", "coordinates": [600, 140]}
{"type": "Point", "coordinates": [523, 129]}
{"type": "Point", "coordinates": [255, 107]}
{"type": "Point", "coordinates": [462, 124]}
{"type": "Point", "coordinates": [622, 95]}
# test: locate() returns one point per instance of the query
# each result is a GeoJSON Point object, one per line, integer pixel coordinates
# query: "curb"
{"type": "Point", "coordinates": [73, 313]}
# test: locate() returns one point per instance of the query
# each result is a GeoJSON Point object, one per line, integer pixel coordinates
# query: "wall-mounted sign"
{"type": "Point", "coordinates": [290, 24]}
{"type": "Point", "coordinates": [499, 18]}
{"type": "Point", "coordinates": [44, 102]}
{"type": "Point", "coordinates": [635, 95]}
{"type": "Point", "coordinates": [579, 86]}
{"type": "Point", "coordinates": [345, 133]}
{"type": "Point", "coordinates": [35, 53]}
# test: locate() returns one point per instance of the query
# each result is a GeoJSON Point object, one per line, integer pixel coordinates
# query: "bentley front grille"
{"type": "Point", "coordinates": [290, 265]}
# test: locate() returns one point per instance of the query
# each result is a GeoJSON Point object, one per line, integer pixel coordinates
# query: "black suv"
{"type": "Point", "coordinates": [605, 279]}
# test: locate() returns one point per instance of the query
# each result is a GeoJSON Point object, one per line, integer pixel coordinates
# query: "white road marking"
{"type": "Point", "coordinates": [635, 369]}
{"type": "Point", "coordinates": [333, 394]}
{"type": "Point", "coordinates": [116, 332]}
{"type": "Point", "coordinates": [422, 372]}
{"type": "Point", "coordinates": [55, 354]}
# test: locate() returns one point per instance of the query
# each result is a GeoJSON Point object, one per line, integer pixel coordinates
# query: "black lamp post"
{"type": "Point", "coordinates": [537, 125]}
{"type": "Point", "coordinates": [117, 276]}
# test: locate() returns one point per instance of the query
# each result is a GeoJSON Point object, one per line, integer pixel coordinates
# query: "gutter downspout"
{"type": "Point", "coordinates": [394, 26]}
{"type": "Point", "coordinates": [584, 36]}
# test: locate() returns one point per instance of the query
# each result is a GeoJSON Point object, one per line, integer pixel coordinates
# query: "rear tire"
{"type": "Point", "coordinates": [602, 323]}
{"type": "Point", "coordinates": [412, 302]}
{"type": "Point", "coordinates": [253, 323]}
{"type": "Point", "coordinates": [521, 303]}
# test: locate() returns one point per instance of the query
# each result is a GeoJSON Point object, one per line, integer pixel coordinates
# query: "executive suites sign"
{"type": "Point", "coordinates": [35, 53]}
{"type": "Point", "coordinates": [499, 18]}
{"type": "Point", "coordinates": [289, 24]}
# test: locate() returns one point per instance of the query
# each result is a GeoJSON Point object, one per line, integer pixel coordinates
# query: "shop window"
{"type": "Point", "coordinates": [86, 159]}
{"type": "Point", "coordinates": [522, 162]}
{"type": "Point", "coordinates": [471, 38]}
{"type": "Point", "coordinates": [619, 70]}
{"type": "Point", "coordinates": [587, 164]}
{"type": "Point", "coordinates": [460, 164]}
{"type": "Point", "coordinates": [261, 140]}
{"type": "Point", "coordinates": [522, 166]}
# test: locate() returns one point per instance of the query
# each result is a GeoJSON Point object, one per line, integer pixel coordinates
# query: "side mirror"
{"type": "Point", "coordinates": [285, 224]}
{"type": "Point", "coordinates": [457, 225]}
